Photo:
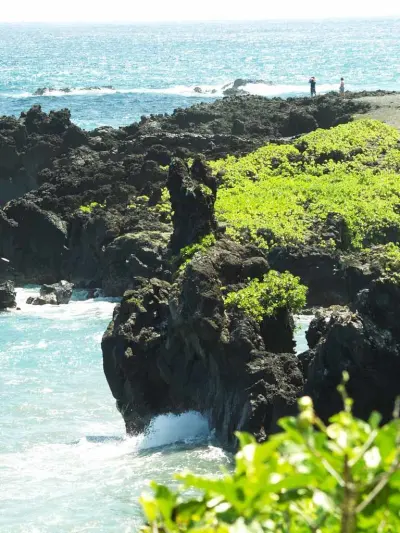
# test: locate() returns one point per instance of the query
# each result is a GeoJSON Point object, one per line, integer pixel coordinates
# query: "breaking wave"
{"type": "Point", "coordinates": [195, 91]}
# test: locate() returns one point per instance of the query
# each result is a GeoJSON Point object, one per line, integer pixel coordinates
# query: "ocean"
{"type": "Point", "coordinates": [65, 463]}
{"type": "Point", "coordinates": [116, 73]}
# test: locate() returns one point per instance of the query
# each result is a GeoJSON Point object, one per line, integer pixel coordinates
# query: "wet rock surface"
{"type": "Point", "coordinates": [55, 294]}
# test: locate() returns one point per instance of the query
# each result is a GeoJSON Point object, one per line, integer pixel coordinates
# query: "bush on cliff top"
{"type": "Point", "coordinates": [280, 194]}
{"type": "Point", "coordinates": [263, 298]}
{"type": "Point", "coordinates": [311, 478]}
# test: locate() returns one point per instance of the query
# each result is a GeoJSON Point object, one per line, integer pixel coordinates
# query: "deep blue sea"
{"type": "Point", "coordinates": [154, 68]}
{"type": "Point", "coordinates": [65, 464]}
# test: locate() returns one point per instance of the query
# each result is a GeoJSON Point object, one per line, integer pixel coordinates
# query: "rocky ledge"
{"type": "Point", "coordinates": [365, 341]}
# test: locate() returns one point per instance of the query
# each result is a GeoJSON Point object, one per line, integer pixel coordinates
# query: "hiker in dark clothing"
{"type": "Point", "coordinates": [312, 81]}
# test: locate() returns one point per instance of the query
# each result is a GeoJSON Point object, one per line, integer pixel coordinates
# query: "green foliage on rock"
{"type": "Point", "coordinates": [188, 252]}
{"type": "Point", "coordinates": [89, 208]}
{"type": "Point", "coordinates": [310, 478]}
{"type": "Point", "coordinates": [390, 260]}
{"type": "Point", "coordinates": [163, 207]}
{"type": "Point", "coordinates": [263, 298]}
{"type": "Point", "coordinates": [281, 193]}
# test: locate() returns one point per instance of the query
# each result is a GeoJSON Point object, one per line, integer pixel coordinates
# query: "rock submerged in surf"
{"type": "Point", "coordinates": [55, 294]}
{"type": "Point", "coordinates": [238, 86]}
{"type": "Point", "coordinates": [41, 91]}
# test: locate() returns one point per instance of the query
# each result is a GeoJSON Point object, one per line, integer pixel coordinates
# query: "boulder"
{"type": "Point", "coordinates": [55, 294]}
{"type": "Point", "coordinates": [62, 291]}
{"type": "Point", "coordinates": [33, 240]}
{"type": "Point", "coordinates": [132, 255]}
{"type": "Point", "coordinates": [39, 300]}
{"type": "Point", "coordinates": [7, 295]}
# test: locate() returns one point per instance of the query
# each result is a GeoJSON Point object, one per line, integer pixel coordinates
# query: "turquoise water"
{"type": "Point", "coordinates": [154, 68]}
{"type": "Point", "coordinates": [65, 463]}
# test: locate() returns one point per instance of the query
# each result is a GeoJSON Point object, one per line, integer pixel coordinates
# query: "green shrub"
{"type": "Point", "coordinates": [310, 478]}
{"type": "Point", "coordinates": [279, 194]}
{"type": "Point", "coordinates": [390, 261]}
{"type": "Point", "coordinates": [163, 208]}
{"type": "Point", "coordinates": [263, 298]}
{"type": "Point", "coordinates": [188, 252]}
{"type": "Point", "coordinates": [89, 208]}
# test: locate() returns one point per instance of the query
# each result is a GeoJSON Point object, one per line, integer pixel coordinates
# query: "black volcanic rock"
{"type": "Point", "coordinates": [33, 239]}
{"type": "Point", "coordinates": [55, 294]}
{"type": "Point", "coordinates": [62, 291]}
{"type": "Point", "coordinates": [84, 185]}
{"type": "Point", "coordinates": [7, 295]}
{"type": "Point", "coordinates": [30, 144]}
{"type": "Point", "coordinates": [172, 348]}
{"type": "Point", "coordinates": [192, 200]}
{"type": "Point", "coordinates": [366, 343]}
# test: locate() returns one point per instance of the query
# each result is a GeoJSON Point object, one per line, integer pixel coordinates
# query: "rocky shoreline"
{"type": "Point", "coordinates": [89, 207]}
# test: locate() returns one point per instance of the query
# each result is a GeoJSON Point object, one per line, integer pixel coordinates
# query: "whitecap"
{"type": "Point", "coordinates": [192, 91]}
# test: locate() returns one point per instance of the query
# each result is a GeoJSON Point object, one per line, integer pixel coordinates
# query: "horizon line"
{"type": "Point", "coordinates": [200, 21]}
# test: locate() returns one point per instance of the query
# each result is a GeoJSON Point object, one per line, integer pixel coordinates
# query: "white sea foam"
{"type": "Point", "coordinates": [302, 322]}
{"type": "Point", "coordinates": [195, 91]}
{"type": "Point", "coordinates": [76, 309]}
{"type": "Point", "coordinates": [168, 429]}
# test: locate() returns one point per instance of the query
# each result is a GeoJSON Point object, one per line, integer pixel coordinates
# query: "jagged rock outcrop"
{"type": "Point", "coordinates": [364, 341]}
{"type": "Point", "coordinates": [7, 295]}
{"type": "Point", "coordinates": [173, 346]}
{"type": "Point", "coordinates": [55, 294]}
{"type": "Point", "coordinates": [192, 200]}
{"type": "Point", "coordinates": [30, 144]}
{"type": "Point", "coordinates": [34, 240]}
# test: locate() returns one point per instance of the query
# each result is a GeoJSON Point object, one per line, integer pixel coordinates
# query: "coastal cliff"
{"type": "Point", "coordinates": [214, 253]}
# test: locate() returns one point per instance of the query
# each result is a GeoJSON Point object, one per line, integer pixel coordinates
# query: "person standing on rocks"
{"type": "Point", "coordinates": [313, 82]}
{"type": "Point", "coordinates": [341, 87]}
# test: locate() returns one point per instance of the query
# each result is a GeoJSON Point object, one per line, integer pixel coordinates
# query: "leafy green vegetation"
{"type": "Point", "coordinates": [310, 478]}
{"type": "Point", "coordinates": [390, 260]}
{"type": "Point", "coordinates": [263, 298]}
{"type": "Point", "coordinates": [163, 207]}
{"type": "Point", "coordinates": [280, 194]}
{"type": "Point", "coordinates": [188, 252]}
{"type": "Point", "coordinates": [140, 201]}
{"type": "Point", "coordinates": [89, 208]}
